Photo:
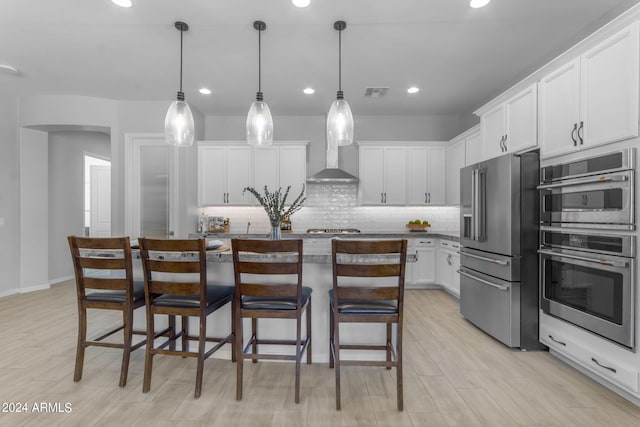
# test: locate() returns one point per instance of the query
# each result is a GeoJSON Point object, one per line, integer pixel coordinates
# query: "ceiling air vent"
{"type": "Point", "coordinates": [375, 92]}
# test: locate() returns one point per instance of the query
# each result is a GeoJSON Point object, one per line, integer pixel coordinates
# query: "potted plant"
{"type": "Point", "coordinates": [274, 204]}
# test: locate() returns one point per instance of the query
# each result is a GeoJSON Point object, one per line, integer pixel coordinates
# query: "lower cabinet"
{"type": "Point", "coordinates": [596, 360]}
{"type": "Point", "coordinates": [421, 273]}
{"type": "Point", "coordinates": [447, 266]}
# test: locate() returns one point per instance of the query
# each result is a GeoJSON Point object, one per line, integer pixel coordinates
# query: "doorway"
{"type": "Point", "coordinates": [97, 196]}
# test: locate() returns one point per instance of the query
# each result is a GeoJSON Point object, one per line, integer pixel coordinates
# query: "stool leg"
{"type": "Point", "coordinates": [399, 367]}
{"type": "Point", "coordinates": [389, 346]}
{"type": "Point", "coordinates": [309, 352]}
{"type": "Point", "coordinates": [127, 317]}
{"type": "Point", "coordinates": [254, 337]}
{"type": "Point", "coordinates": [234, 355]}
{"type": "Point", "coordinates": [201, 342]}
{"type": "Point", "coordinates": [336, 347]}
{"type": "Point", "coordinates": [185, 333]}
{"type": "Point", "coordinates": [298, 353]}
{"type": "Point", "coordinates": [82, 338]}
{"type": "Point", "coordinates": [172, 332]}
{"type": "Point", "coordinates": [239, 354]}
{"type": "Point", "coordinates": [331, 341]}
{"type": "Point", "coordinates": [148, 358]}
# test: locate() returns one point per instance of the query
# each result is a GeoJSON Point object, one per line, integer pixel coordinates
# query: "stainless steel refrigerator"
{"type": "Point", "coordinates": [499, 239]}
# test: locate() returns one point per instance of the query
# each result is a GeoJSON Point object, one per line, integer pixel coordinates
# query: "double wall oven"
{"type": "Point", "coordinates": [587, 251]}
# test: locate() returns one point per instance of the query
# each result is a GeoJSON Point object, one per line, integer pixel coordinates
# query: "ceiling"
{"type": "Point", "coordinates": [459, 57]}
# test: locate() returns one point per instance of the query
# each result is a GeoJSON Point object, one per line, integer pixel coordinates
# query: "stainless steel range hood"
{"type": "Point", "coordinates": [332, 174]}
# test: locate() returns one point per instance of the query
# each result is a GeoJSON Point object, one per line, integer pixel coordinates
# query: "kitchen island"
{"type": "Point", "coordinates": [317, 274]}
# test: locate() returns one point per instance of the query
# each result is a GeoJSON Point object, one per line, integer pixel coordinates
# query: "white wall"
{"type": "Point", "coordinates": [66, 192]}
{"type": "Point", "coordinates": [9, 197]}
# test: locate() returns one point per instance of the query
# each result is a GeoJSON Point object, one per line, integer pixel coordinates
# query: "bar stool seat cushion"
{"type": "Point", "coordinates": [354, 306]}
{"type": "Point", "coordinates": [216, 294]}
{"type": "Point", "coordinates": [118, 296]}
{"type": "Point", "coordinates": [270, 303]}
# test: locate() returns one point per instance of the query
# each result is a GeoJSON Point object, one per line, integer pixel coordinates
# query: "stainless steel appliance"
{"type": "Point", "coordinates": [596, 192]}
{"type": "Point", "coordinates": [587, 278]}
{"type": "Point", "coordinates": [498, 260]}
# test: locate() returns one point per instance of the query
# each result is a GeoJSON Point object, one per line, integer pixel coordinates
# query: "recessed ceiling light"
{"type": "Point", "coordinates": [309, 91]}
{"type": "Point", "coordinates": [413, 89]}
{"type": "Point", "coordinates": [205, 91]}
{"type": "Point", "coordinates": [478, 3]}
{"type": "Point", "coordinates": [122, 3]}
{"type": "Point", "coordinates": [301, 3]}
{"type": "Point", "coordinates": [9, 69]}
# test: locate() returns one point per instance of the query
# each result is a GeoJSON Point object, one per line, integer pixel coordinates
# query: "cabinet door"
{"type": "Point", "coordinates": [238, 175]}
{"type": "Point", "coordinates": [436, 175]}
{"type": "Point", "coordinates": [455, 276]}
{"type": "Point", "coordinates": [417, 175]}
{"type": "Point", "coordinates": [293, 168]}
{"type": "Point", "coordinates": [474, 151]}
{"type": "Point", "coordinates": [558, 110]}
{"type": "Point", "coordinates": [212, 175]}
{"type": "Point", "coordinates": [443, 268]}
{"type": "Point", "coordinates": [371, 176]}
{"type": "Point", "coordinates": [265, 168]}
{"type": "Point", "coordinates": [395, 175]}
{"type": "Point", "coordinates": [455, 161]}
{"type": "Point", "coordinates": [522, 120]}
{"type": "Point", "coordinates": [492, 128]}
{"type": "Point", "coordinates": [609, 89]}
{"type": "Point", "coordinates": [424, 271]}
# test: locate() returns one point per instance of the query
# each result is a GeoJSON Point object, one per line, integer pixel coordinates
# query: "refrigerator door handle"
{"type": "Point", "coordinates": [474, 204]}
{"type": "Point", "coordinates": [588, 180]}
{"type": "Point", "coordinates": [495, 261]}
{"type": "Point", "coordinates": [486, 282]}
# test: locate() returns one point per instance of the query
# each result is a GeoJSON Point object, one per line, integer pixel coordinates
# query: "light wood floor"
{"type": "Point", "coordinates": [454, 376]}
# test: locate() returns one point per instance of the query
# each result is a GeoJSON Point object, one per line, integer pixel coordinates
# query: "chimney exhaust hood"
{"type": "Point", "coordinates": [332, 174]}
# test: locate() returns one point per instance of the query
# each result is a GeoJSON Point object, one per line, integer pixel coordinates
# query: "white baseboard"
{"type": "Point", "coordinates": [34, 288]}
{"type": "Point", "coordinates": [9, 292]}
{"type": "Point", "coordinates": [61, 279]}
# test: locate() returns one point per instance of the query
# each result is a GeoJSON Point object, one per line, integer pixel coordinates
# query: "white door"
{"type": "Point", "coordinates": [100, 195]}
{"type": "Point", "coordinates": [609, 84]}
{"type": "Point", "coordinates": [492, 126]}
{"type": "Point", "coordinates": [212, 175]}
{"type": "Point", "coordinates": [455, 161]}
{"type": "Point", "coordinates": [395, 175]}
{"type": "Point", "coordinates": [293, 168]}
{"type": "Point", "coordinates": [558, 110]}
{"type": "Point", "coordinates": [238, 175]}
{"type": "Point", "coordinates": [371, 177]}
{"type": "Point", "coordinates": [474, 150]}
{"type": "Point", "coordinates": [436, 170]}
{"type": "Point", "coordinates": [265, 168]}
{"type": "Point", "coordinates": [417, 175]}
{"type": "Point", "coordinates": [522, 120]}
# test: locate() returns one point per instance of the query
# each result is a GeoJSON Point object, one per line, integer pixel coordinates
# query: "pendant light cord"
{"type": "Point", "coordinates": [259, 60]}
{"type": "Point", "coordinates": [340, 60]}
{"type": "Point", "coordinates": [181, 32]}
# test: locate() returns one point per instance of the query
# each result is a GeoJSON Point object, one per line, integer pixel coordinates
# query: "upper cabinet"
{"type": "Point", "coordinates": [592, 100]}
{"type": "Point", "coordinates": [426, 175]}
{"type": "Point", "coordinates": [224, 170]}
{"type": "Point", "coordinates": [280, 165]}
{"type": "Point", "coordinates": [383, 175]}
{"type": "Point", "coordinates": [512, 125]}
{"type": "Point", "coordinates": [473, 144]}
{"type": "Point", "coordinates": [456, 154]}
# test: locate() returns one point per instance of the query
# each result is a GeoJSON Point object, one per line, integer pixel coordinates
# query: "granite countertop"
{"type": "Point", "coordinates": [362, 235]}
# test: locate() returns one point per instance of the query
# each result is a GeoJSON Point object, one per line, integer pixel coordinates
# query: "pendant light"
{"type": "Point", "coordinates": [178, 124]}
{"type": "Point", "coordinates": [259, 120]}
{"type": "Point", "coordinates": [339, 119]}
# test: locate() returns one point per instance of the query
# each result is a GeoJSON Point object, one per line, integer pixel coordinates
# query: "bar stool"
{"type": "Point", "coordinates": [379, 300]}
{"type": "Point", "coordinates": [104, 280]}
{"type": "Point", "coordinates": [261, 269]}
{"type": "Point", "coordinates": [170, 288]}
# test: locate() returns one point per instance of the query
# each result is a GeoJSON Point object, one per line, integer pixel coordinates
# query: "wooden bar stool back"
{"type": "Point", "coordinates": [377, 297]}
{"type": "Point", "coordinates": [268, 279]}
{"type": "Point", "coordinates": [104, 280]}
{"type": "Point", "coordinates": [175, 283]}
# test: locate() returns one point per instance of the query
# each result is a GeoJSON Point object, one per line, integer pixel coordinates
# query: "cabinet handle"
{"type": "Point", "coordinates": [501, 146]}
{"type": "Point", "coordinates": [429, 198]}
{"type": "Point", "coordinates": [505, 143]}
{"type": "Point", "coordinates": [425, 198]}
{"type": "Point", "coordinates": [574, 132]}
{"type": "Point", "coordinates": [385, 198]}
{"type": "Point", "coordinates": [449, 259]}
{"type": "Point", "coordinates": [556, 341]}
{"type": "Point", "coordinates": [381, 197]}
{"type": "Point", "coordinates": [593, 359]}
{"type": "Point", "coordinates": [580, 136]}
{"type": "Point", "coordinates": [444, 244]}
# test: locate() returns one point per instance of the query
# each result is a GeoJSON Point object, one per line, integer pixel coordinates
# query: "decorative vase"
{"type": "Point", "coordinates": [275, 230]}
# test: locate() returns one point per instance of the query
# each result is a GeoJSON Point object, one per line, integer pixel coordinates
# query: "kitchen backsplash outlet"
{"type": "Point", "coordinates": [336, 206]}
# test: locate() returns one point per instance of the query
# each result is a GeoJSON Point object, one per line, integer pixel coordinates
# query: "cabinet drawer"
{"type": "Point", "coordinates": [424, 243]}
{"type": "Point", "coordinates": [622, 376]}
{"type": "Point", "coordinates": [449, 245]}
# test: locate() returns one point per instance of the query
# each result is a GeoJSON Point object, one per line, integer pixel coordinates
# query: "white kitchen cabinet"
{"type": "Point", "coordinates": [223, 172]}
{"type": "Point", "coordinates": [474, 149]}
{"type": "Point", "coordinates": [422, 273]}
{"type": "Point", "coordinates": [447, 266]}
{"type": "Point", "coordinates": [511, 126]}
{"type": "Point", "coordinates": [426, 175]}
{"type": "Point", "coordinates": [280, 165]}
{"type": "Point", "coordinates": [383, 175]}
{"type": "Point", "coordinates": [592, 100]}
{"type": "Point", "coordinates": [455, 161]}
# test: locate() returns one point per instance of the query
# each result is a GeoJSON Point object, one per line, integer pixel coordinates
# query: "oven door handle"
{"type": "Point", "coordinates": [622, 264]}
{"type": "Point", "coordinates": [588, 180]}
{"type": "Point", "coordinates": [486, 282]}
{"type": "Point", "coordinates": [495, 261]}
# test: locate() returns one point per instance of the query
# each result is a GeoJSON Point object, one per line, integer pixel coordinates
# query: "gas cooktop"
{"type": "Point", "coordinates": [333, 231]}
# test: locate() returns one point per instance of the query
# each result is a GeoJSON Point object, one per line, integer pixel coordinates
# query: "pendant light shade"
{"type": "Point", "coordinates": [178, 123]}
{"type": "Point", "coordinates": [259, 120]}
{"type": "Point", "coordinates": [339, 119]}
